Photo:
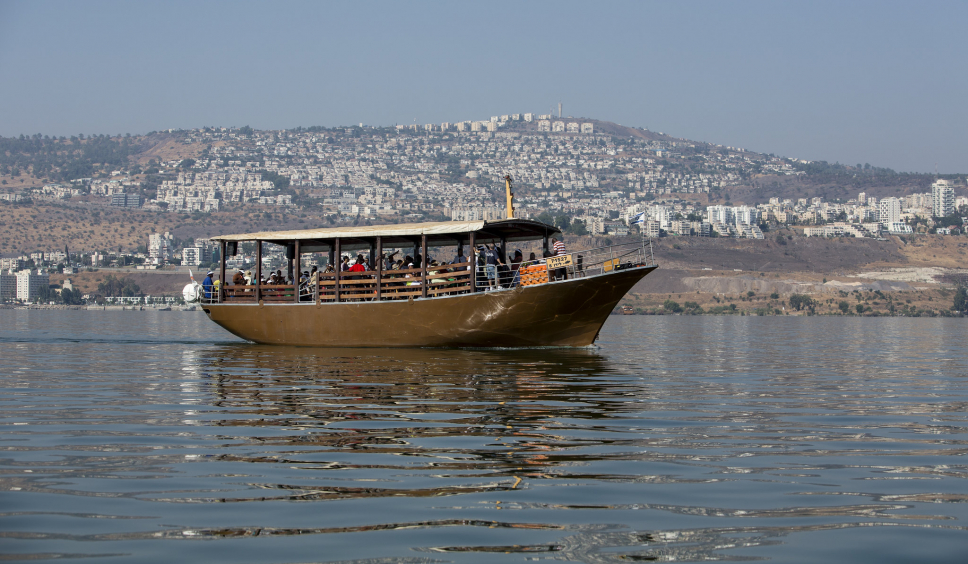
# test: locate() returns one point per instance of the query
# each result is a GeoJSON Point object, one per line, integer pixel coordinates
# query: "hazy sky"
{"type": "Point", "coordinates": [880, 82]}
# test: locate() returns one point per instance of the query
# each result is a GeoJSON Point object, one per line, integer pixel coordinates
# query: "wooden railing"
{"type": "Point", "coordinates": [402, 284]}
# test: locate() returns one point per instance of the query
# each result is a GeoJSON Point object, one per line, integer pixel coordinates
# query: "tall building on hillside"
{"type": "Point", "coordinates": [192, 256]}
{"type": "Point", "coordinates": [943, 198]}
{"type": "Point", "coordinates": [720, 214]}
{"type": "Point", "coordinates": [8, 285]}
{"type": "Point", "coordinates": [160, 247]}
{"type": "Point", "coordinates": [29, 283]}
{"type": "Point", "coordinates": [889, 210]}
{"type": "Point", "coordinates": [126, 200]}
{"type": "Point", "coordinates": [746, 215]}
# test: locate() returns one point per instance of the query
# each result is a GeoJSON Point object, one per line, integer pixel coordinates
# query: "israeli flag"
{"type": "Point", "coordinates": [639, 218]}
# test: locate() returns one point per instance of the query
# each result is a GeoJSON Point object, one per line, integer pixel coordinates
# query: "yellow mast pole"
{"type": "Point", "coordinates": [510, 196]}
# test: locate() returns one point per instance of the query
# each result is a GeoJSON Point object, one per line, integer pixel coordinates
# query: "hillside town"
{"type": "Point", "coordinates": [586, 176]}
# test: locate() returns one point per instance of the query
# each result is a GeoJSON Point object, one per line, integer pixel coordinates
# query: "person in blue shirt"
{"type": "Point", "coordinates": [208, 284]}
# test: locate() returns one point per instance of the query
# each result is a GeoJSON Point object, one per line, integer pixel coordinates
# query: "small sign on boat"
{"type": "Point", "coordinates": [558, 262]}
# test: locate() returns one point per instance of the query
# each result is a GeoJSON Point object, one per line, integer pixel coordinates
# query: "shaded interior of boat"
{"type": "Point", "coordinates": [462, 274]}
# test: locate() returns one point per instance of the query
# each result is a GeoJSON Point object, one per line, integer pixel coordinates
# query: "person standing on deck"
{"type": "Point", "coordinates": [492, 260]}
{"type": "Point", "coordinates": [208, 284]}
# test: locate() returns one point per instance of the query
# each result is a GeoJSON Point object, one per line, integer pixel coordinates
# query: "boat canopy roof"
{"type": "Point", "coordinates": [439, 233]}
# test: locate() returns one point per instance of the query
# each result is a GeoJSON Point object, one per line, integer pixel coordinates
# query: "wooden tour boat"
{"type": "Point", "coordinates": [555, 301]}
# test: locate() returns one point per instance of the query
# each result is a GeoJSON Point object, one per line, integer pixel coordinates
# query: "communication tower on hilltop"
{"type": "Point", "coordinates": [559, 109]}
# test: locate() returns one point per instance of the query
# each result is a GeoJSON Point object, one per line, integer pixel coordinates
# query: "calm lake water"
{"type": "Point", "coordinates": [158, 437]}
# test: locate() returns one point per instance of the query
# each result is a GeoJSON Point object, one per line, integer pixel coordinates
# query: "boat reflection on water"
{"type": "Point", "coordinates": [400, 401]}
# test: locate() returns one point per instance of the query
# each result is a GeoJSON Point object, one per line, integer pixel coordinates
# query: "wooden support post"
{"type": "Point", "coordinates": [221, 271]}
{"type": "Point", "coordinates": [258, 271]}
{"type": "Point", "coordinates": [423, 265]}
{"type": "Point", "coordinates": [472, 256]}
{"type": "Point", "coordinates": [296, 272]}
{"type": "Point", "coordinates": [379, 267]}
{"type": "Point", "coordinates": [339, 264]}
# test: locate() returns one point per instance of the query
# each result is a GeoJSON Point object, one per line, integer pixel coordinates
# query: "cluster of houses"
{"type": "Point", "coordinates": [449, 170]}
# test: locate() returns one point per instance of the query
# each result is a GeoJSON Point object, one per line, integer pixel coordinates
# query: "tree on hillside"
{"type": "Point", "coordinates": [114, 287]}
{"type": "Point", "coordinates": [672, 306]}
{"type": "Point", "coordinates": [800, 301]}
{"type": "Point", "coordinates": [961, 299]}
{"type": "Point", "coordinates": [578, 228]}
{"type": "Point", "coordinates": [71, 297]}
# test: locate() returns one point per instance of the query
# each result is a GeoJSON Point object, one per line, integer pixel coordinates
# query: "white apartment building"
{"type": "Point", "coordinates": [746, 215]}
{"type": "Point", "coordinates": [889, 211]}
{"type": "Point", "coordinates": [595, 225]}
{"type": "Point", "coordinates": [720, 214]}
{"type": "Point", "coordinates": [15, 263]}
{"type": "Point", "coordinates": [160, 247]}
{"type": "Point", "coordinates": [192, 256]}
{"type": "Point", "coordinates": [943, 198]}
{"type": "Point", "coordinates": [29, 283]}
{"type": "Point", "coordinates": [651, 229]}
{"type": "Point", "coordinates": [900, 228]}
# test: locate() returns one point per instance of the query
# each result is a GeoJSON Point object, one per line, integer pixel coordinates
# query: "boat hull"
{"type": "Point", "coordinates": [565, 313]}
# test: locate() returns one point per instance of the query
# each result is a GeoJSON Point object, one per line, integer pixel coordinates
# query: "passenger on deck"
{"type": "Point", "coordinates": [491, 261]}
{"type": "Point", "coordinates": [460, 256]}
{"type": "Point", "coordinates": [388, 260]}
{"type": "Point", "coordinates": [432, 274]}
{"type": "Point", "coordinates": [358, 266]}
{"type": "Point", "coordinates": [312, 286]}
{"type": "Point", "coordinates": [208, 285]}
{"type": "Point", "coordinates": [239, 278]}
